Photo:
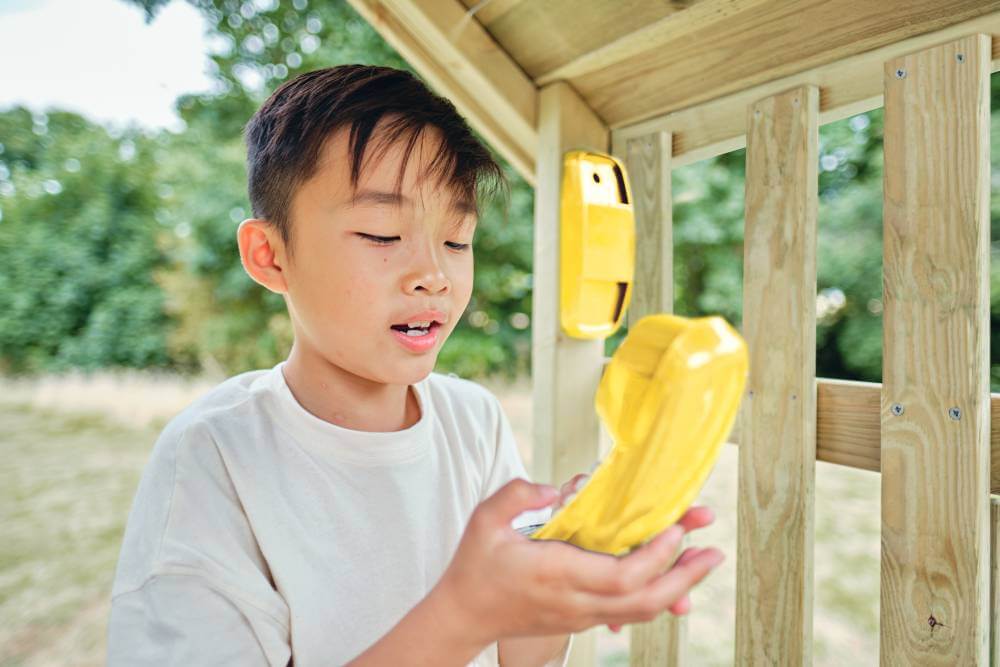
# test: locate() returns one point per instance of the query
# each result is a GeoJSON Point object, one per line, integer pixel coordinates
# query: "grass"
{"type": "Point", "coordinates": [73, 451]}
{"type": "Point", "coordinates": [65, 490]}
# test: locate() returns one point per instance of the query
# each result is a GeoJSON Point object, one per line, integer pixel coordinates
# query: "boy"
{"type": "Point", "coordinates": [349, 505]}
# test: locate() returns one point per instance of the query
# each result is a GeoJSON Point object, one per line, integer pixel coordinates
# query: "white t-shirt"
{"type": "Point", "coordinates": [261, 533]}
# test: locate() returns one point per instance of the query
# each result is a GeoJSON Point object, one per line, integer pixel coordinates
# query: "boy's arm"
{"type": "Point", "coordinates": [544, 651]}
{"type": "Point", "coordinates": [432, 633]}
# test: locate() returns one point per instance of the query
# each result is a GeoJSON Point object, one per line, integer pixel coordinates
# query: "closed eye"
{"type": "Point", "coordinates": [386, 240]}
{"type": "Point", "coordinates": [379, 240]}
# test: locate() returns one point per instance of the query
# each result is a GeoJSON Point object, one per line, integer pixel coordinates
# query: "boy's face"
{"type": "Point", "coordinates": [363, 268]}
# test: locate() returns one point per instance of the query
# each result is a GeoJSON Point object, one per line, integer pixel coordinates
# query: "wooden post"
{"type": "Point", "coordinates": [661, 642]}
{"type": "Point", "coordinates": [777, 454]}
{"type": "Point", "coordinates": [565, 371]}
{"type": "Point", "coordinates": [936, 391]}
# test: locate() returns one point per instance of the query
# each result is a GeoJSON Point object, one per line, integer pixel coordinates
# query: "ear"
{"type": "Point", "coordinates": [262, 254]}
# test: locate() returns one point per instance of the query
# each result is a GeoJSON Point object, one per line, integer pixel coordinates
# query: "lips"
{"type": "Point", "coordinates": [417, 340]}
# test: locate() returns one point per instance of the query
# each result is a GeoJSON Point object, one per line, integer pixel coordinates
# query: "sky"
{"type": "Point", "coordinates": [99, 58]}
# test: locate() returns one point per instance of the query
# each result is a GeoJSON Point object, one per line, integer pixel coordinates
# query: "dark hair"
{"type": "Point", "coordinates": [286, 135]}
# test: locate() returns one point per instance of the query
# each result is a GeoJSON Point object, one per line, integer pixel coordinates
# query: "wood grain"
{"type": "Point", "coordinates": [661, 642]}
{"type": "Point", "coordinates": [774, 567]}
{"type": "Point", "coordinates": [935, 468]}
{"type": "Point", "coordinates": [565, 371]}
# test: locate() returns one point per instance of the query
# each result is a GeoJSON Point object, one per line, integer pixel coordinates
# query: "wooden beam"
{"type": "Point", "coordinates": [565, 371]}
{"type": "Point", "coordinates": [936, 361]}
{"type": "Point", "coordinates": [777, 458]}
{"type": "Point", "coordinates": [849, 426]}
{"type": "Point", "coordinates": [460, 60]}
{"type": "Point", "coordinates": [847, 87]}
{"type": "Point", "coordinates": [661, 642]}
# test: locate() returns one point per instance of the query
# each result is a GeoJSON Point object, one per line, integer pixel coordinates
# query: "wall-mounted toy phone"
{"type": "Point", "coordinates": [597, 245]}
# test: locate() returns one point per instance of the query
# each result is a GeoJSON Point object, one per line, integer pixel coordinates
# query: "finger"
{"type": "Point", "coordinates": [513, 498]}
{"type": "Point", "coordinates": [696, 517]}
{"type": "Point", "coordinates": [604, 574]}
{"type": "Point", "coordinates": [574, 483]}
{"type": "Point", "coordinates": [681, 607]}
{"type": "Point", "coordinates": [662, 593]}
{"type": "Point", "coordinates": [687, 555]}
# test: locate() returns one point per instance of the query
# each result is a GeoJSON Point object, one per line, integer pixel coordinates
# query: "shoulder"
{"type": "Point", "coordinates": [190, 441]}
{"type": "Point", "coordinates": [184, 477]}
{"type": "Point", "coordinates": [218, 402]}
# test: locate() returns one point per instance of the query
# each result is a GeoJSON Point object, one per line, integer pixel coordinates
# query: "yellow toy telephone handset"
{"type": "Point", "coordinates": [668, 397]}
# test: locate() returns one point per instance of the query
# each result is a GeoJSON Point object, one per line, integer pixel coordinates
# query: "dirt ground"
{"type": "Point", "coordinates": [73, 449]}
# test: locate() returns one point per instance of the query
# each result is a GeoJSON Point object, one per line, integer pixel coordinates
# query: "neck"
{"type": "Point", "coordinates": [340, 397]}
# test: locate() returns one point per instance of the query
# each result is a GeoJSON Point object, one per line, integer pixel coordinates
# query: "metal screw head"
{"type": "Point", "coordinates": [960, 57]}
{"type": "Point", "coordinates": [896, 409]}
{"type": "Point", "coordinates": [901, 73]}
{"type": "Point", "coordinates": [955, 413]}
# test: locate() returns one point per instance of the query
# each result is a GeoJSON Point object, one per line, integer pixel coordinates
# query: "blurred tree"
{"type": "Point", "coordinates": [79, 253]}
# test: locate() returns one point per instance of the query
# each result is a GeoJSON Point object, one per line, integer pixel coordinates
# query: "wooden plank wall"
{"type": "Point", "coordinates": [663, 641]}
{"type": "Point", "coordinates": [777, 458]}
{"type": "Point", "coordinates": [565, 371]}
{"type": "Point", "coordinates": [935, 390]}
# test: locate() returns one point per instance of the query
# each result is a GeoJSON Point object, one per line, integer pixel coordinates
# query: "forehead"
{"type": "Point", "coordinates": [378, 180]}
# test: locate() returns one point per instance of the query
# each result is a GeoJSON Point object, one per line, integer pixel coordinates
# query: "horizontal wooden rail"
{"type": "Point", "coordinates": [848, 426]}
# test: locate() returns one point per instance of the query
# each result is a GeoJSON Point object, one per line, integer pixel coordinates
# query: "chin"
{"type": "Point", "coordinates": [412, 372]}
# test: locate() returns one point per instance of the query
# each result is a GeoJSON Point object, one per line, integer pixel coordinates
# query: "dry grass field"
{"type": "Point", "coordinates": [73, 448]}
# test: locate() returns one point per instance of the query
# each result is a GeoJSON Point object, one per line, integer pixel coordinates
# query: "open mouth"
{"type": "Point", "coordinates": [417, 329]}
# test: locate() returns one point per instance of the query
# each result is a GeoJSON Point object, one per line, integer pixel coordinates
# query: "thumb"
{"type": "Point", "coordinates": [515, 497]}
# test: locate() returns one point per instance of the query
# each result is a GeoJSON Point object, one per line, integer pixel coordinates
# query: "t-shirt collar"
{"type": "Point", "coordinates": [361, 447]}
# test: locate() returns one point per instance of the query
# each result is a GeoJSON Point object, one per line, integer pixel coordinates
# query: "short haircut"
{"type": "Point", "coordinates": [287, 134]}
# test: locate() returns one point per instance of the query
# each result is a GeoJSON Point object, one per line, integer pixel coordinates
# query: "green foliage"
{"type": "Point", "coordinates": [79, 250]}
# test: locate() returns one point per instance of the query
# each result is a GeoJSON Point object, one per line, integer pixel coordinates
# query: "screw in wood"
{"type": "Point", "coordinates": [955, 413]}
{"type": "Point", "coordinates": [901, 73]}
{"type": "Point", "coordinates": [897, 409]}
{"type": "Point", "coordinates": [960, 57]}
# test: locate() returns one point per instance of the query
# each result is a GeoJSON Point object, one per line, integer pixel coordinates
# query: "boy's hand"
{"type": "Point", "coordinates": [683, 605]}
{"type": "Point", "coordinates": [508, 585]}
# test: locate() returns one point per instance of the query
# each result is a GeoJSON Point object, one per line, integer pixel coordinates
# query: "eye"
{"type": "Point", "coordinates": [457, 246]}
{"type": "Point", "coordinates": [378, 240]}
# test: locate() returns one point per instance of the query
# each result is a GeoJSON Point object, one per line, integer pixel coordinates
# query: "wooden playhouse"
{"type": "Point", "coordinates": [661, 84]}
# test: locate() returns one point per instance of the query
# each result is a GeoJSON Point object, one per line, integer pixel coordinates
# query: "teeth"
{"type": "Point", "coordinates": [417, 332]}
{"type": "Point", "coordinates": [419, 325]}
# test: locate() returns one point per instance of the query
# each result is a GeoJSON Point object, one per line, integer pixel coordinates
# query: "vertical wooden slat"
{"type": "Point", "coordinates": [777, 457]}
{"type": "Point", "coordinates": [565, 371]}
{"type": "Point", "coordinates": [995, 581]}
{"type": "Point", "coordinates": [935, 391]}
{"type": "Point", "coordinates": [661, 642]}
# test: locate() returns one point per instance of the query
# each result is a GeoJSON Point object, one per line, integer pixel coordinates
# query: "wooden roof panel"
{"type": "Point", "coordinates": [702, 54]}
{"type": "Point", "coordinates": [687, 67]}
{"type": "Point", "coordinates": [544, 35]}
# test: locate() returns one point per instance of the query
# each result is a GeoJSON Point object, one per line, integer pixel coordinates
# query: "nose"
{"type": "Point", "coordinates": [426, 274]}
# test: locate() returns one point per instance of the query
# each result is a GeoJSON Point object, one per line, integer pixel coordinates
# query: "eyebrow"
{"type": "Point", "coordinates": [462, 206]}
